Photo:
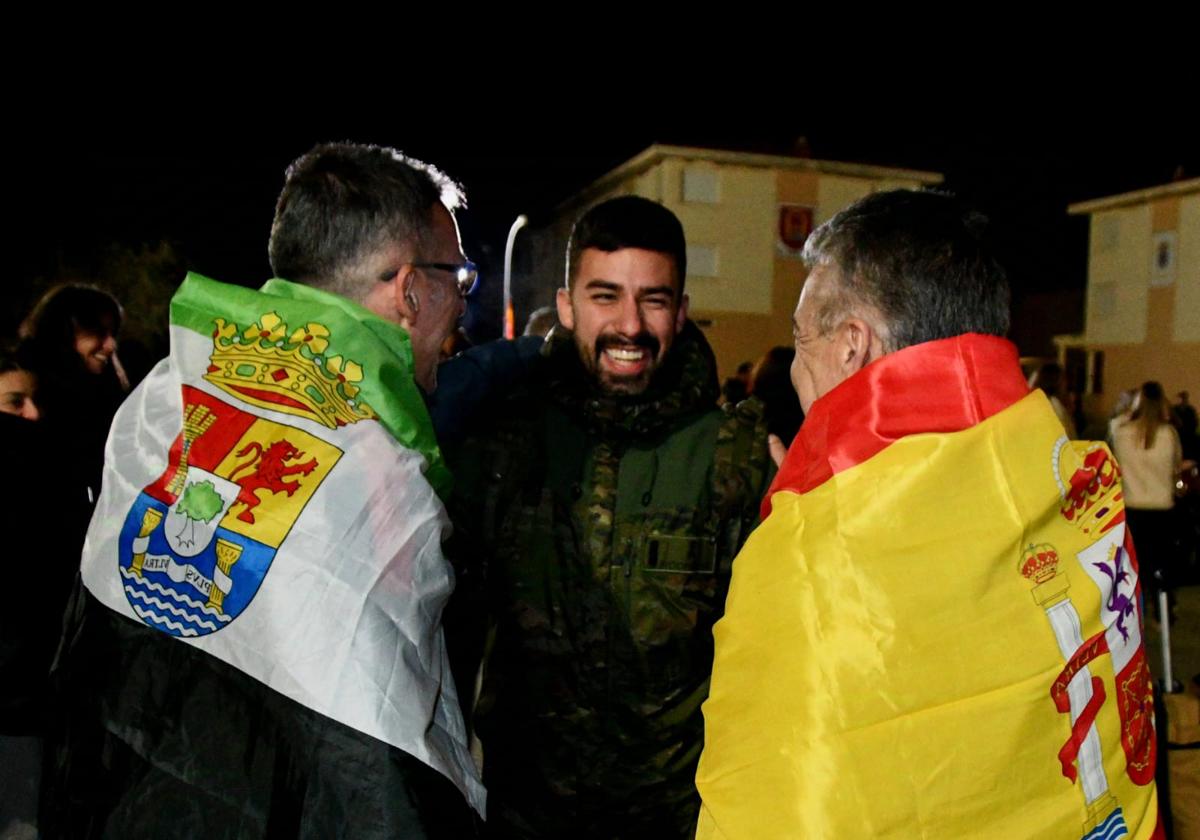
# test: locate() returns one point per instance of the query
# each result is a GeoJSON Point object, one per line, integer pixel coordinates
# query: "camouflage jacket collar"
{"type": "Point", "coordinates": [686, 383]}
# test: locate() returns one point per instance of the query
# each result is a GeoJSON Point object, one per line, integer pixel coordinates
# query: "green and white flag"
{"type": "Point", "coordinates": [271, 498]}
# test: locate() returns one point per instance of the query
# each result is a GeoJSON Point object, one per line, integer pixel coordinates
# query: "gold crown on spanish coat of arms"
{"type": "Point", "coordinates": [1039, 563]}
{"type": "Point", "coordinates": [1090, 487]}
{"type": "Point", "coordinates": [270, 367]}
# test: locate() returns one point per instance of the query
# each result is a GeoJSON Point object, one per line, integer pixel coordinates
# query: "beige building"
{"type": "Point", "coordinates": [745, 217]}
{"type": "Point", "coordinates": [1143, 297]}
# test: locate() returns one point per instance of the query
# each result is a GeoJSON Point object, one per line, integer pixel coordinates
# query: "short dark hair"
{"type": "Point", "coordinates": [921, 259]}
{"type": "Point", "coordinates": [629, 221]}
{"type": "Point", "coordinates": [341, 202]}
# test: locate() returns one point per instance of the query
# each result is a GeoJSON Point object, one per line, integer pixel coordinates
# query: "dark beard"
{"type": "Point", "coordinates": [643, 340]}
{"type": "Point", "coordinates": [610, 383]}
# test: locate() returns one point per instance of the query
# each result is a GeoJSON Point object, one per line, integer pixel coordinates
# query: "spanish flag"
{"type": "Point", "coordinates": [936, 630]}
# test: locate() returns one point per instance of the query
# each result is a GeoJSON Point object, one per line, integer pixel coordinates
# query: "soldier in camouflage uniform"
{"type": "Point", "coordinates": [602, 508]}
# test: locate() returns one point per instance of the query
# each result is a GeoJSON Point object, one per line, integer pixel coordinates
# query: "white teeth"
{"type": "Point", "coordinates": [624, 355]}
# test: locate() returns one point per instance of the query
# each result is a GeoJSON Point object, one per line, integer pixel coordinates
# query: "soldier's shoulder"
{"type": "Point", "coordinates": [742, 455]}
{"type": "Point", "coordinates": [747, 417]}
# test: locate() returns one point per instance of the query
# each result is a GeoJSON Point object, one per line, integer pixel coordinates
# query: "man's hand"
{"type": "Point", "coordinates": [777, 449]}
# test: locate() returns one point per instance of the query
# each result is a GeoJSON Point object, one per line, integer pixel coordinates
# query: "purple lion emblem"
{"type": "Point", "coordinates": [1118, 601]}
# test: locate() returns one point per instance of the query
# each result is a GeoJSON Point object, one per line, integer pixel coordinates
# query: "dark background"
{"type": "Point", "coordinates": [132, 211]}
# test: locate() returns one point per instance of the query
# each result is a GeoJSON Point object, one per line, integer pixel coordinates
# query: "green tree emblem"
{"type": "Point", "coordinates": [199, 502]}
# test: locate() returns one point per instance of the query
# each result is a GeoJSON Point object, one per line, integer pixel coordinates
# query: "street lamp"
{"type": "Point", "coordinates": [510, 327]}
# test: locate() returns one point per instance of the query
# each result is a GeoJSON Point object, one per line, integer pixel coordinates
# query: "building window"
{"type": "Point", "coordinates": [1104, 300]}
{"type": "Point", "coordinates": [701, 185]}
{"type": "Point", "coordinates": [702, 261]}
{"type": "Point", "coordinates": [1108, 233]}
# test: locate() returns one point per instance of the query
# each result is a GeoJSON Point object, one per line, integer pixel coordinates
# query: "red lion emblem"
{"type": "Point", "coordinates": [270, 468]}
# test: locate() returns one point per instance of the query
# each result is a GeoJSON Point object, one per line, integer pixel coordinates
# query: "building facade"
{"type": "Point", "coordinates": [1143, 296]}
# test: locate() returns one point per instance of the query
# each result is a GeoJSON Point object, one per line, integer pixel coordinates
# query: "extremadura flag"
{"type": "Point", "coordinates": [259, 649]}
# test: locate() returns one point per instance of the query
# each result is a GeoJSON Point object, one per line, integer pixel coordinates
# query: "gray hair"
{"type": "Point", "coordinates": [920, 260]}
{"type": "Point", "coordinates": [342, 203]}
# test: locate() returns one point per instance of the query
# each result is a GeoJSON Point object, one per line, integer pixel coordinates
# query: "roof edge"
{"type": "Point", "coordinates": [656, 153]}
{"type": "Point", "coordinates": [1109, 202]}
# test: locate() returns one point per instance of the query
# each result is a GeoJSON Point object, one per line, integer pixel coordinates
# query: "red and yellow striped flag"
{"type": "Point", "coordinates": [935, 632]}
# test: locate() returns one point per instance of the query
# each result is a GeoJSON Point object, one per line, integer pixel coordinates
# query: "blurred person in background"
{"type": "Point", "coordinates": [1183, 417]}
{"type": "Point", "coordinates": [70, 344]}
{"type": "Point", "coordinates": [737, 388]}
{"type": "Point", "coordinates": [1050, 380]}
{"type": "Point", "coordinates": [541, 321]}
{"type": "Point", "coordinates": [41, 568]}
{"type": "Point", "coordinates": [1148, 450]}
{"type": "Point", "coordinates": [771, 382]}
{"type": "Point", "coordinates": [1120, 413]}
{"type": "Point", "coordinates": [16, 389]}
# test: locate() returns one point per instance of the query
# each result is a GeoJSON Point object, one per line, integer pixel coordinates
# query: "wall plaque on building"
{"type": "Point", "coordinates": [1163, 273]}
{"type": "Point", "coordinates": [795, 224]}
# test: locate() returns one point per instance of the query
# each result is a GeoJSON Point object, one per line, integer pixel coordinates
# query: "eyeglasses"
{"type": "Point", "coordinates": [465, 274]}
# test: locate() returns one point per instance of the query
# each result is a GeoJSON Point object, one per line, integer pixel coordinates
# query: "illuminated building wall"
{"type": "Point", "coordinates": [1143, 296]}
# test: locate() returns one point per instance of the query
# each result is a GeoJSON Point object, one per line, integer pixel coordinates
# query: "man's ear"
{"type": "Point", "coordinates": [681, 315]}
{"type": "Point", "coordinates": [857, 345]}
{"type": "Point", "coordinates": [407, 295]}
{"type": "Point", "coordinates": [566, 315]}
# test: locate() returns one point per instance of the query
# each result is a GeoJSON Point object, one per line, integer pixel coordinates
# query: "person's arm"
{"type": "Point", "coordinates": [472, 378]}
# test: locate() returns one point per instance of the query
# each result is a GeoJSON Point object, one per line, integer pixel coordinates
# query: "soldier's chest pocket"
{"type": "Point", "coordinates": [681, 567]}
{"type": "Point", "coordinates": [674, 587]}
{"type": "Point", "coordinates": [673, 554]}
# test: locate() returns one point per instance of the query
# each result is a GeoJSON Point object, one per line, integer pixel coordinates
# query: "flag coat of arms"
{"type": "Point", "coordinates": [936, 631]}
{"type": "Point", "coordinates": [270, 500]}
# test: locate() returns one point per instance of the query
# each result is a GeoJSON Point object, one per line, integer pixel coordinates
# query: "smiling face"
{"type": "Point", "coordinates": [625, 310]}
{"type": "Point", "coordinates": [95, 347]}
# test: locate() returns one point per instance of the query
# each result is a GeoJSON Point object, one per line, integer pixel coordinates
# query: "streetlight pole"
{"type": "Point", "coordinates": [510, 326]}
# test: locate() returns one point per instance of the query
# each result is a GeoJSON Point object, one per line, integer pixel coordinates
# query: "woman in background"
{"type": "Point", "coordinates": [1147, 448]}
{"type": "Point", "coordinates": [70, 344]}
{"type": "Point", "coordinates": [16, 389]}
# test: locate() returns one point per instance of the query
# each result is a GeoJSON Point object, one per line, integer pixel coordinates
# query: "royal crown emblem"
{"type": "Point", "coordinates": [270, 367]}
{"type": "Point", "coordinates": [1039, 565]}
{"type": "Point", "coordinates": [1090, 487]}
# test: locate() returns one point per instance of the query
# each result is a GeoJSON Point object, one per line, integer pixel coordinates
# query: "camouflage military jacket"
{"type": "Point", "coordinates": [605, 528]}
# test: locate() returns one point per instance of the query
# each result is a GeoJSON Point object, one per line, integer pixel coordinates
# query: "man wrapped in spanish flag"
{"type": "Point", "coordinates": [936, 630]}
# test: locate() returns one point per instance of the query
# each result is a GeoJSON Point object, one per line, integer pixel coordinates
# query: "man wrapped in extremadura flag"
{"type": "Point", "coordinates": [257, 648]}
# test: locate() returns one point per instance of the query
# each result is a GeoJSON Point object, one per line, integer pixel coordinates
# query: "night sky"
{"type": "Point", "coordinates": [210, 195]}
